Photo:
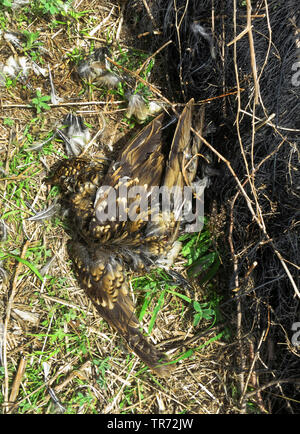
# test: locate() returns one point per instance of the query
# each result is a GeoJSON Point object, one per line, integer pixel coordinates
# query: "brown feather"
{"type": "Point", "coordinates": [103, 278]}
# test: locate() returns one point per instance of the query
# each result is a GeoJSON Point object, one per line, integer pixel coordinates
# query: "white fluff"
{"type": "Point", "coordinates": [138, 107]}
{"type": "Point", "coordinates": [75, 135]}
{"type": "Point", "coordinates": [168, 260]}
{"type": "Point", "coordinates": [14, 67]}
{"type": "Point", "coordinates": [197, 28]}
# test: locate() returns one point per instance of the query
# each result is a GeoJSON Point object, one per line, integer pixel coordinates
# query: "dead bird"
{"type": "Point", "coordinates": [16, 4]}
{"type": "Point", "coordinates": [96, 68]}
{"type": "Point", "coordinates": [104, 249]}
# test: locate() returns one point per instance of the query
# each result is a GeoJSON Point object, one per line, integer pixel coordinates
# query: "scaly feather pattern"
{"type": "Point", "coordinates": [104, 249]}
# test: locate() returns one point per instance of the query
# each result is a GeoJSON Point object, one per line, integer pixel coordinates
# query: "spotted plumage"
{"type": "Point", "coordinates": [103, 250]}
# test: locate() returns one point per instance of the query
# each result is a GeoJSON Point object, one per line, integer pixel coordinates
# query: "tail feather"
{"type": "Point", "coordinates": [180, 146]}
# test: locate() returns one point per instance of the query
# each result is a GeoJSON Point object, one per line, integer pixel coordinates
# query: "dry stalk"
{"type": "Point", "coordinates": [8, 313]}
{"type": "Point", "coordinates": [152, 56]}
{"type": "Point", "coordinates": [17, 381]}
{"type": "Point", "coordinates": [252, 52]}
{"type": "Point", "coordinates": [178, 25]}
{"type": "Point", "coordinates": [150, 14]}
{"type": "Point", "coordinates": [250, 371]}
{"type": "Point", "coordinates": [63, 104]}
{"type": "Point", "coordinates": [270, 384]}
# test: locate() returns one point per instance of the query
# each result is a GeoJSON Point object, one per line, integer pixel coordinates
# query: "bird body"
{"type": "Point", "coordinates": [108, 241]}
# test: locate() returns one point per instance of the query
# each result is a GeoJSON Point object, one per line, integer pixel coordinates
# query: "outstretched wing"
{"type": "Point", "coordinates": [103, 277]}
{"type": "Point", "coordinates": [143, 164]}
{"type": "Point", "coordinates": [174, 180]}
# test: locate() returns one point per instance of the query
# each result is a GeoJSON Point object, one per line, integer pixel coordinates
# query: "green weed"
{"type": "Point", "coordinates": [39, 102]}
{"type": "Point", "coordinates": [51, 7]}
{"type": "Point", "coordinates": [8, 121]}
{"type": "Point", "coordinates": [6, 3]}
{"type": "Point", "coordinates": [202, 260]}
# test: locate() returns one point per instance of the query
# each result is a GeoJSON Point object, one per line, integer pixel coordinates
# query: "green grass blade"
{"type": "Point", "coordinates": [190, 352]}
{"type": "Point", "coordinates": [146, 304]}
{"type": "Point", "coordinates": [156, 310]}
{"type": "Point", "coordinates": [211, 272]}
{"type": "Point", "coordinates": [27, 263]}
{"type": "Point", "coordinates": [177, 294]}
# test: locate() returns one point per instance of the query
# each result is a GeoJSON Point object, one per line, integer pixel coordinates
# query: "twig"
{"type": "Point", "coordinates": [49, 382]}
{"type": "Point", "coordinates": [179, 41]}
{"type": "Point", "coordinates": [252, 53]}
{"type": "Point", "coordinates": [8, 312]}
{"type": "Point", "coordinates": [267, 122]}
{"type": "Point", "coordinates": [111, 406]}
{"type": "Point", "coordinates": [150, 14]}
{"type": "Point", "coordinates": [17, 381]}
{"type": "Point", "coordinates": [272, 383]}
{"type": "Point", "coordinates": [239, 36]}
{"type": "Point", "coordinates": [153, 55]}
{"type": "Point", "coordinates": [242, 401]}
{"type": "Point", "coordinates": [64, 104]}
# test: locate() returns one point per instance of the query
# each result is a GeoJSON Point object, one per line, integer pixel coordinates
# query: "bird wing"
{"type": "Point", "coordinates": [167, 220]}
{"type": "Point", "coordinates": [140, 164]}
{"type": "Point", "coordinates": [180, 146]}
{"type": "Point", "coordinates": [141, 159]}
{"type": "Point", "coordinates": [104, 280]}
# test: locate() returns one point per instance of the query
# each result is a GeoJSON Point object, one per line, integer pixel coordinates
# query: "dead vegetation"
{"type": "Point", "coordinates": [58, 355]}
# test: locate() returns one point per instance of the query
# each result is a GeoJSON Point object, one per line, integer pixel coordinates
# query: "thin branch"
{"type": "Point", "coordinates": [8, 313]}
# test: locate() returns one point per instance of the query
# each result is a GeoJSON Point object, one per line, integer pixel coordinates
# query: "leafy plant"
{"type": "Point", "coordinates": [203, 311]}
{"type": "Point", "coordinates": [50, 6]}
{"type": "Point", "coordinates": [6, 3]}
{"type": "Point", "coordinates": [31, 40]}
{"type": "Point", "coordinates": [101, 366]}
{"type": "Point", "coordinates": [39, 102]}
{"type": "Point", "coordinates": [8, 121]}
{"type": "Point", "coordinates": [76, 55]}
{"type": "Point", "coordinates": [10, 83]}
{"type": "Point", "coordinates": [56, 8]}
